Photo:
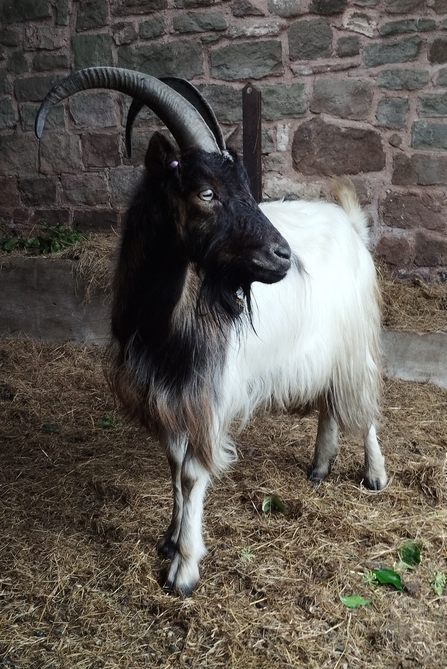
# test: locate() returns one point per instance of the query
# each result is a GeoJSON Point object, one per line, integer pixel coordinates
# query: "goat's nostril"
{"type": "Point", "coordinates": [282, 251]}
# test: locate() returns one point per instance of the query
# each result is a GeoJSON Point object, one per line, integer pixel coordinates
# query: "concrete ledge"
{"type": "Point", "coordinates": [415, 356]}
{"type": "Point", "coordinates": [41, 298]}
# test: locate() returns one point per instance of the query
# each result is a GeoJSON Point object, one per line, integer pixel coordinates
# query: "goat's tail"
{"type": "Point", "coordinates": [344, 192]}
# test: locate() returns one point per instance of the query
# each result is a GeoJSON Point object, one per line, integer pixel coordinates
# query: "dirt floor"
{"type": "Point", "coordinates": [84, 498]}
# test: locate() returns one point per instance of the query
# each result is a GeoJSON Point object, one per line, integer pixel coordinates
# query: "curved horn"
{"type": "Point", "coordinates": [180, 117]}
{"type": "Point", "coordinates": [190, 93]}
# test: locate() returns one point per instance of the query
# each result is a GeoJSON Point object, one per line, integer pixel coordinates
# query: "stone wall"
{"type": "Point", "coordinates": [348, 87]}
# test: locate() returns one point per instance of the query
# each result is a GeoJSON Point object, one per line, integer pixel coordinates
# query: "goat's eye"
{"type": "Point", "coordinates": [206, 195]}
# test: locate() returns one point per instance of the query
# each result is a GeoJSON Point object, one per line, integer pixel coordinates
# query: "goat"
{"type": "Point", "coordinates": [221, 306]}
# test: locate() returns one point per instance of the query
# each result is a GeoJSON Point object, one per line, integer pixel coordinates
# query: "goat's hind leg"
{"type": "Point", "coordinates": [326, 445]}
{"type": "Point", "coordinates": [375, 474]}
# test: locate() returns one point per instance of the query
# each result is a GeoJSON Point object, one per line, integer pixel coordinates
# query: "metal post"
{"type": "Point", "coordinates": [251, 125]}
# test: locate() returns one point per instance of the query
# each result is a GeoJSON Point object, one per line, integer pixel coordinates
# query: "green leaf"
{"type": "Point", "coordinates": [353, 601]}
{"type": "Point", "coordinates": [272, 503]}
{"type": "Point", "coordinates": [410, 553]}
{"type": "Point", "coordinates": [108, 421]}
{"type": "Point", "coordinates": [52, 428]}
{"type": "Point", "coordinates": [388, 577]}
{"type": "Point", "coordinates": [438, 583]}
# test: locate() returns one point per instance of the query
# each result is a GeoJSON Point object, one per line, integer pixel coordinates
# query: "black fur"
{"type": "Point", "coordinates": [183, 279]}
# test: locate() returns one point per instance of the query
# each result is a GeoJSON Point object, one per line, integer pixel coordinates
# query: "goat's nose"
{"type": "Point", "coordinates": [282, 250]}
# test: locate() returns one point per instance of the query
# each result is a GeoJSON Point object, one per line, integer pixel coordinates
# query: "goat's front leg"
{"type": "Point", "coordinates": [175, 448]}
{"type": "Point", "coordinates": [189, 549]}
{"type": "Point", "coordinates": [326, 445]}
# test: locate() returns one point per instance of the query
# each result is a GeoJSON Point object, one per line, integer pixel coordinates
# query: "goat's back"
{"type": "Point", "coordinates": [315, 333]}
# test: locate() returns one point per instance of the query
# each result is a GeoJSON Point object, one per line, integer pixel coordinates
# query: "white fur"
{"type": "Point", "coordinates": [314, 341]}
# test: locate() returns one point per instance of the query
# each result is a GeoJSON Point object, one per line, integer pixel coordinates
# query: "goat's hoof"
{"type": "Point", "coordinates": [315, 476]}
{"type": "Point", "coordinates": [374, 484]}
{"type": "Point", "coordinates": [167, 548]}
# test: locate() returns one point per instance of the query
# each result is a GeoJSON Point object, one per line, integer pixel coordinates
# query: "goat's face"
{"type": "Point", "coordinates": [219, 226]}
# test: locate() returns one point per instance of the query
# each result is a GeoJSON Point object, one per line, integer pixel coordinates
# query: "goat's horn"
{"type": "Point", "coordinates": [190, 93]}
{"type": "Point", "coordinates": [180, 117]}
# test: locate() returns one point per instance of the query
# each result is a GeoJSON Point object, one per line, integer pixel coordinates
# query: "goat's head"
{"type": "Point", "coordinates": [219, 226]}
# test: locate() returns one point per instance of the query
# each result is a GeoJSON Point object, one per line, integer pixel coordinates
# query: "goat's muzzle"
{"type": "Point", "coordinates": [272, 263]}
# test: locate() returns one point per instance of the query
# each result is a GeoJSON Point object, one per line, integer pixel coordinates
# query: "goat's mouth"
{"type": "Point", "coordinates": [270, 272]}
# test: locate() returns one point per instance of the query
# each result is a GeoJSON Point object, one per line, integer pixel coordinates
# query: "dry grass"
{"type": "Point", "coordinates": [82, 507]}
{"type": "Point", "coordinates": [413, 305]}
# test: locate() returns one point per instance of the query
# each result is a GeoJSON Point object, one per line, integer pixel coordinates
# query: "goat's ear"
{"type": "Point", "coordinates": [234, 139]}
{"type": "Point", "coordinates": [161, 156]}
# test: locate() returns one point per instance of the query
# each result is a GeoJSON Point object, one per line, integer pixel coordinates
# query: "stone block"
{"type": "Point", "coordinates": [35, 88]}
{"type": "Point", "coordinates": [90, 50]}
{"type": "Point", "coordinates": [394, 250]}
{"type": "Point", "coordinates": [38, 191]}
{"type": "Point", "coordinates": [88, 188]}
{"type": "Point", "coordinates": [189, 4]}
{"type": "Point", "coordinates": [441, 78]}
{"type": "Point", "coordinates": [15, 11]}
{"type": "Point", "coordinates": [28, 111]}
{"type": "Point", "coordinates": [44, 62]}
{"type": "Point", "coordinates": [197, 22]}
{"type": "Point", "coordinates": [60, 153]}
{"type": "Point", "coordinates": [63, 11]}
{"type": "Point", "coordinates": [100, 150]}
{"type": "Point", "coordinates": [47, 37]}
{"type": "Point", "coordinates": [282, 101]}
{"type": "Point", "coordinates": [345, 98]}
{"type": "Point", "coordinates": [93, 110]}
{"type": "Point", "coordinates": [95, 220]}
{"type": "Point", "coordinates": [9, 191]}
{"type": "Point", "coordinates": [392, 112]}
{"type": "Point", "coordinates": [348, 46]}
{"type": "Point", "coordinates": [247, 60]}
{"type": "Point", "coordinates": [420, 169]}
{"type": "Point", "coordinates": [152, 28]}
{"type": "Point", "coordinates": [179, 58]}
{"type": "Point", "coordinates": [432, 105]}
{"type": "Point", "coordinates": [322, 148]}
{"type": "Point", "coordinates": [225, 101]}
{"type": "Point", "coordinates": [122, 182]}
{"type": "Point", "coordinates": [18, 155]}
{"type": "Point", "coordinates": [403, 6]}
{"type": "Point", "coordinates": [51, 218]}
{"type": "Point", "coordinates": [5, 83]}
{"type": "Point", "coordinates": [284, 8]}
{"type": "Point", "coordinates": [10, 37]}
{"type": "Point", "coordinates": [8, 115]}
{"type": "Point", "coordinates": [437, 50]}
{"type": "Point", "coordinates": [429, 136]}
{"type": "Point", "coordinates": [414, 209]}
{"type": "Point", "coordinates": [124, 33]}
{"type": "Point", "coordinates": [407, 26]}
{"type": "Point", "coordinates": [17, 63]}
{"type": "Point", "coordinates": [262, 29]}
{"type": "Point", "coordinates": [392, 51]}
{"type": "Point", "coordinates": [403, 80]}
{"type": "Point", "coordinates": [309, 40]}
{"type": "Point", "coordinates": [129, 7]}
{"type": "Point", "coordinates": [328, 7]}
{"type": "Point", "coordinates": [430, 250]}
{"type": "Point", "coordinates": [91, 14]}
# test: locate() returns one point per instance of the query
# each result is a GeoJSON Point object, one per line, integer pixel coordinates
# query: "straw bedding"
{"type": "Point", "coordinates": [84, 498]}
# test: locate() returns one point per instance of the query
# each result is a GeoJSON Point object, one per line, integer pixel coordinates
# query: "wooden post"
{"type": "Point", "coordinates": [251, 128]}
